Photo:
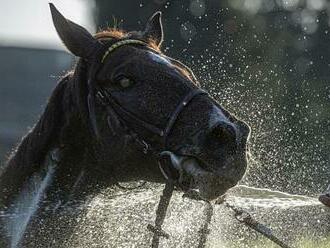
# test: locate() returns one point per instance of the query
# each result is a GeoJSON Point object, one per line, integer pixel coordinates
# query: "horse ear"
{"type": "Point", "coordinates": [77, 39]}
{"type": "Point", "coordinates": [154, 29]}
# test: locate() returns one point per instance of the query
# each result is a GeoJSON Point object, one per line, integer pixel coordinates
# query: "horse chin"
{"type": "Point", "coordinates": [194, 178]}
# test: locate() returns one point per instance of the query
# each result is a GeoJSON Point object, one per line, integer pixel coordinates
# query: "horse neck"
{"type": "Point", "coordinates": [56, 128]}
{"type": "Point", "coordinates": [36, 164]}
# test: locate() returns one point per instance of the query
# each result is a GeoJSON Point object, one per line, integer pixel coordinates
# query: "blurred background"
{"type": "Point", "coordinates": [267, 61]}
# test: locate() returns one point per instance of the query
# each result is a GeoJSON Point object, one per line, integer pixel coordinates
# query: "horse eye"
{"type": "Point", "coordinates": [125, 82]}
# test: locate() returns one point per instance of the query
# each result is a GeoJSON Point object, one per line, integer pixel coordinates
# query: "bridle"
{"type": "Point", "coordinates": [126, 117]}
{"type": "Point", "coordinates": [118, 115]}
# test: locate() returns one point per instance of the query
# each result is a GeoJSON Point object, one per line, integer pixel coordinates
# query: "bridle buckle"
{"type": "Point", "coordinates": [145, 148]}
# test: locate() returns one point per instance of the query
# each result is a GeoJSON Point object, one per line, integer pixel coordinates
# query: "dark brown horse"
{"type": "Point", "coordinates": [126, 112]}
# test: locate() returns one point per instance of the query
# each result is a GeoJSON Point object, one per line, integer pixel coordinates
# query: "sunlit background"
{"type": "Point", "coordinates": [267, 61]}
{"type": "Point", "coordinates": [28, 23]}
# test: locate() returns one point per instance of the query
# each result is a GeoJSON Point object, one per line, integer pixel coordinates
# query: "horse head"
{"type": "Point", "coordinates": [136, 92]}
{"type": "Point", "coordinates": [130, 110]}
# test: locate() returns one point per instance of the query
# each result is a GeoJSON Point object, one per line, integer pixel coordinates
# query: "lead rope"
{"type": "Point", "coordinates": [205, 231]}
{"type": "Point", "coordinates": [239, 214]}
{"type": "Point", "coordinates": [244, 217]}
{"type": "Point", "coordinates": [161, 214]}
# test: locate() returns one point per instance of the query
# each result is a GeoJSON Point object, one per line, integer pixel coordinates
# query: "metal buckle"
{"type": "Point", "coordinates": [145, 148]}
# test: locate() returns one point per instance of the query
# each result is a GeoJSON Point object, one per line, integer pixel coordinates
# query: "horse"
{"type": "Point", "coordinates": [125, 112]}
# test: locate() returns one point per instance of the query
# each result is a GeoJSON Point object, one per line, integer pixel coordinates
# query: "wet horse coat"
{"type": "Point", "coordinates": [124, 109]}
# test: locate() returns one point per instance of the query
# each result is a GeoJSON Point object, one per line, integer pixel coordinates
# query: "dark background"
{"type": "Point", "coordinates": [266, 61]}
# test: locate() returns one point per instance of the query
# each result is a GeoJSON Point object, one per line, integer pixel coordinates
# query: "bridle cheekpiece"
{"type": "Point", "coordinates": [125, 117]}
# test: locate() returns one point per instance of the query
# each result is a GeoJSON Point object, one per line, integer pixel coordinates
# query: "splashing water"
{"type": "Point", "coordinates": [123, 219]}
{"type": "Point", "coordinates": [119, 218]}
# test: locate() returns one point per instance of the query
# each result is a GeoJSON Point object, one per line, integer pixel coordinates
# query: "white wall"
{"type": "Point", "coordinates": [28, 23]}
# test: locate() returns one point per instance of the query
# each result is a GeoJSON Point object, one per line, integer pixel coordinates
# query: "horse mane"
{"type": "Point", "coordinates": [110, 33]}
{"type": "Point", "coordinates": [115, 33]}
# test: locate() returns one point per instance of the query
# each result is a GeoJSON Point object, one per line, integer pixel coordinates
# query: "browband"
{"type": "Point", "coordinates": [119, 44]}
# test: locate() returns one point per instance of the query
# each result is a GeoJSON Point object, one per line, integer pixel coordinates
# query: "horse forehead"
{"type": "Point", "coordinates": [158, 58]}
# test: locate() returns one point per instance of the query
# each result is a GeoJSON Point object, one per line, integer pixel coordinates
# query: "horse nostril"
{"type": "Point", "coordinates": [224, 132]}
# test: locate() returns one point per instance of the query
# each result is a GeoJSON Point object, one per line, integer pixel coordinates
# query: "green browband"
{"type": "Point", "coordinates": [119, 44]}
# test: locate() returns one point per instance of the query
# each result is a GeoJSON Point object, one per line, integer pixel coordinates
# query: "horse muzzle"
{"type": "Point", "coordinates": [189, 174]}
